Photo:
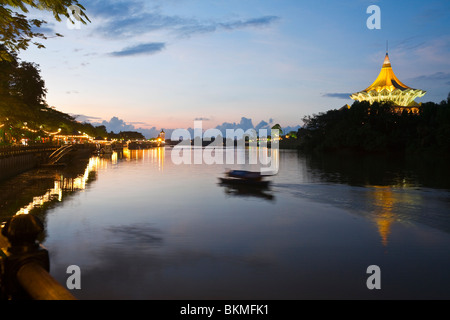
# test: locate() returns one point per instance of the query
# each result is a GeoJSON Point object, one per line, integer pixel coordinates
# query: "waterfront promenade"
{"type": "Point", "coordinates": [17, 159]}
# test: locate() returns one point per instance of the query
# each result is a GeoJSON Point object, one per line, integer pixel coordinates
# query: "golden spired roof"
{"type": "Point", "coordinates": [387, 79]}
{"type": "Point", "coordinates": [387, 87]}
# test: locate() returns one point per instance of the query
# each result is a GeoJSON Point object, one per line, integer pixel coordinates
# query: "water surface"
{"type": "Point", "coordinates": [141, 227]}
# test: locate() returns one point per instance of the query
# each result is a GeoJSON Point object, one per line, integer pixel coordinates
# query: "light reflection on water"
{"type": "Point", "coordinates": [63, 183]}
{"type": "Point", "coordinates": [149, 229]}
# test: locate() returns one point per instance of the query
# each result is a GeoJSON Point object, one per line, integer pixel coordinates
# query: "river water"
{"type": "Point", "coordinates": [140, 226]}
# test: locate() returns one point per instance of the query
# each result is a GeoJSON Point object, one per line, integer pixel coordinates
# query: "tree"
{"type": "Point", "coordinates": [29, 84]}
{"type": "Point", "coordinates": [376, 128]}
{"type": "Point", "coordinates": [22, 90]}
{"type": "Point", "coordinates": [292, 134]}
{"type": "Point", "coordinates": [17, 30]}
{"type": "Point", "coordinates": [131, 135]}
{"type": "Point", "coordinates": [278, 127]}
{"type": "Point", "coordinates": [7, 71]}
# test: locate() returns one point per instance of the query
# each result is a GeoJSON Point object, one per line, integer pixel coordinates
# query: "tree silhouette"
{"type": "Point", "coordinates": [376, 128]}
{"type": "Point", "coordinates": [278, 127]}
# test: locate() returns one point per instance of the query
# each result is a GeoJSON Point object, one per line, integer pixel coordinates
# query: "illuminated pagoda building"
{"type": "Point", "coordinates": [162, 135]}
{"type": "Point", "coordinates": [388, 88]}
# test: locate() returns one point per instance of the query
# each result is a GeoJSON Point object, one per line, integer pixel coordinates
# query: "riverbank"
{"type": "Point", "coordinates": [289, 144]}
{"type": "Point", "coordinates": [18, 159]}
{"type": "Point", "coordinates": [19, 190]}
{"type": "Point", "coordinates": [376, 128]}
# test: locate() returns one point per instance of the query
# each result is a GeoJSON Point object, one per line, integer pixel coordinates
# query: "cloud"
{"type": "Point", "coordinates": [152, 132]}
{"type": "Point", "coordinates": [337, 95]}
{"type": "Point", "coordinates": [244, 124]}
{"type": "Point", "coordinates": [117, 125]}
{"type": "Point", "coordinates": [435, 51]}
{"type": "Point", "coordinates": [46, 30]}
{"type": "Point", "coordinates": [141, 49]}
{"type": "Point", "coordinates": [122, 19]}
{"type": "Point", "coordinates": [113, 9]}
{"type": "Point", "coordinates": [407, 46]}
{"type": "Point", "coordinates": [139, 24]}
{"type": "Point", "coordinates": [247, 123]}
{"type": "Point", "coordinates": [138, 122]}
{"type": "Point", "coordinates": [255, 22]}
{"type": "Point", "coordinates": [84, 118]}
{"type": "Point", "coordinates": [263, 125]}
{"type": "Point", "coordinates": [443, 77]}
{"type": "Point", "coordinates": [268, 126]}
{"type": "Point", "coordinates": [194, 27]}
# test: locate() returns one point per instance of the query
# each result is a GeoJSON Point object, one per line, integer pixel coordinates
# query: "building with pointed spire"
{"type": "Point", "coordinates": [162, 135]}
{"type": "Point", "coordinates": [388, 88]}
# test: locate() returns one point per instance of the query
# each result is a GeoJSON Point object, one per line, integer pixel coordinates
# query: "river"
{"type": "Point", "coordinates": [140, 226]}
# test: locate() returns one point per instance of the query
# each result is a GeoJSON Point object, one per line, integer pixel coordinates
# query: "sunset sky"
{"type": "Point", "coordinates": [164, 63]}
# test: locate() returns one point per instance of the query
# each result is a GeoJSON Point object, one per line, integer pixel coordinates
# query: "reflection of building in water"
{"type": "Point", "coordinates": [384, 202]}
{"type": "Point", "coordinates": [157, 155]}
{"type": "Point", "coordinates": [154, 155]}
{"type": "Point", "coordinates": [393, 203]}
{"type": "Point", "coordinates": [64, 184]}
{"type": "Point", "coordinates": [133, 154]}
{"type": "Point", "coordinates": [115, 158]}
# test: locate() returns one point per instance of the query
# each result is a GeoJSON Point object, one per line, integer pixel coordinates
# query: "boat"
{"type": "Point", "coordinates": [105, 149]}
{"type": "Point", "coordinates": [244, 177]}
{"type": "Point", "coordinates": [244, 174]}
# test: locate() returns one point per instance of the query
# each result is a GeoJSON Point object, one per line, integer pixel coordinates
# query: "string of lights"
{"type": "Point", "coordinates": [25, 127]}
{"type": "Point", "coordinates": [57, 134]}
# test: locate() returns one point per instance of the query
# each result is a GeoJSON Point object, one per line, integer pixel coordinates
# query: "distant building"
{"type": "Point", "coordinates": [72, 138]}
{"type": "Point", "coordinates": [162, 135]}
{"type": "Point", "coordinates": [388, 88]}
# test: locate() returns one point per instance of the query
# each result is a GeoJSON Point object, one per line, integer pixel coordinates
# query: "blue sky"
{"type": "Point", "coordinates": [164, 63]}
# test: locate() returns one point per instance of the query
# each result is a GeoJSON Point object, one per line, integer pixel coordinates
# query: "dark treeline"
{"type": "Point", "coordinates": [23, 104]}
{"type": "Point", "coordinates": [376, 129]}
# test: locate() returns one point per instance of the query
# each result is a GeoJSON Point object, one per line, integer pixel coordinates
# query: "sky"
{"type": "Point", "coordinates": [162, 64]}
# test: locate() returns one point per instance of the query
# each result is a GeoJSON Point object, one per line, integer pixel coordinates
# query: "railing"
{"type": "Point", "coordinates": [59, 153]}
{"type": "Point", "coordinates": [24, 263]}
{"type": "Point", "coordinates": [8, 151]}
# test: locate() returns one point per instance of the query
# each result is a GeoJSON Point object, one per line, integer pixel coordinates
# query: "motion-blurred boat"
{"type": "Point", "coordinates": [243, 177]}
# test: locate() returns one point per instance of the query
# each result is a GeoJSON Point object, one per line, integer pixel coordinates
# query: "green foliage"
{"type": "Point", "coordinates": [292, 134]}
{"type": "Point", "coordinates": [278, 127]}
{"type": "Point", "coordinates": [375, 128]}
{"type": "Point", "coordinates": [130, 135]}
{"type": "Point", "coordinates": [17, 30]}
